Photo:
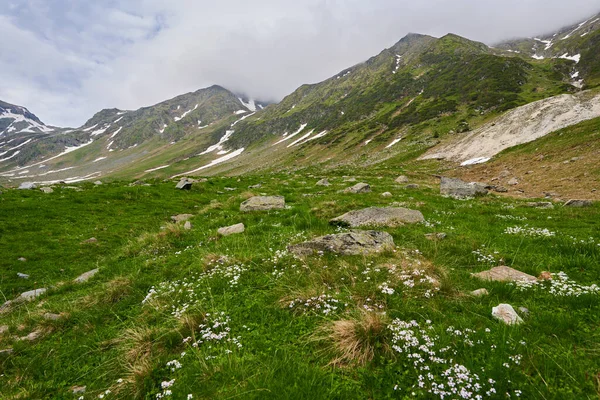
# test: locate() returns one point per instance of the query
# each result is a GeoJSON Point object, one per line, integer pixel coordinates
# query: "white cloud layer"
{"type": "Point", "coordinates": [67, 59]}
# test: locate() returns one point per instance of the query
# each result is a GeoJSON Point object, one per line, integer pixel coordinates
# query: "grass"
{"type": "Point", "coordinates": [227, 317]}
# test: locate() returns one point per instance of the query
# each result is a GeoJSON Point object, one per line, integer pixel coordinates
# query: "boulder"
{"type": "Point", "coordinates": [324, 182]}
{"type": "Point", "coordinates": [27, 186]}
{"type": "Point", "coordinates": [507, 314]}
{"type": "Point", "coordinates": [231, 230]}
{"type": "Point", "coordinates": [35, 335]}
{"type": "Point", "coordinates": [500, 189]}
{"type": "Point", "coordinates": [86, 276]}
{"type": "Point", "coordinates": [78, 389]}
{"type": "Point", "coordinates": [22, 259]}
{"type": "Point", "coordinates": [184, 184]}
{"type": "Point", "coordinates": [181, 217]}
{"type": "Point", "coordinates": [505, 274]}
{"type": "Point", "coordinates": [579, 203]}
{"type": "Point", "coordinates": [263, 203]}
{"type": "Point", "coordinates": [387, 195]}
{"type": "Point", "coordinates": [402, 179]}
{"type": "Point", "coordinates": [47, 190]}
{"type": "Point", "coordinates": [379, 216]}
{"type": "Point", "coordinates": [359, 188]}
{"type": "Point", "coordinates": [349, 243]}
{"type": "Point", "coordinates": [187, 226]}
{"type": "Point", "coordinates": [513, 182]}
{"type": "Point", "coordinates": [459, 189]}
{"type": "Point", "coordinates": [480, 293]}
{"type": "Point", "coordinates": [30, 295]}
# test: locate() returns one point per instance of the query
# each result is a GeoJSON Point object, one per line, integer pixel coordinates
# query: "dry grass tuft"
{"type": "Point", "coordinates": [112, 292]}
{"type": "Point", "coordinates": [355, 341]}
{"type": "Point", "coordinates": [137, 345]}
{"type": "Point", "coordinates": [154, 242]}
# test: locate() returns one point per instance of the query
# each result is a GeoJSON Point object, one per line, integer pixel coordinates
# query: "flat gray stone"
{"type": "Point", "coordinates": [90, 241]}
{"type": "Point", "coordinates": [359, 188]}
{"type": "Point", "coordinates": [30, 295]}
{"type": "Point", "coordinates": [78, 389]}
{"type": "Point", "coordinates": [513, 182]}
{"type": "Point", "coordinates": [181, 217]}
{"type": "Point", "coordinates": [35, 335]}
{"type": "Point", "coordinates": [47, 190]}
{"type": "Point", "coordinates": [324, 182]}
{"type": "Point", "coordinates": [27, 186]}
{"type": "Point", "coordinates": [505, 274]}
{"type": "Point", "coordinates": [507, 314]}
{"type": "Point", "coordinates": [379, 216]}
{"type": "Point", "coordinates": [231, 230]}
{"type": "Point", "coordinates": [411, 186]}
{"type": "Point", "coordinates": [459, 189]}
{"type": "Point", "coordinates": [386, 195]}
{"type": "Point", "coordinates": [86, 276]}
{"type": "Point", "coordinates": [22, 276]}
{"type": "Point", "coordinates": [5, 352]}
{"type": "Point", "coordinates": [349, 243]}
{"type": "Point", "coordinates": [579, 203]}
{"type": "Point", "coordinates": [263, 203]}
{"type": "Point", "coordinates": [52, 316]}
{"type": "Point", "coordinates": [184, 184]}
{"type": "Point", "coordinates": [402, 179]}
{"type": "Point", "coordinates": [22, 259]}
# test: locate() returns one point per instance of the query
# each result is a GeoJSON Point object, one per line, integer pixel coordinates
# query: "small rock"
{"type": "Point", "coordinates": [505, 274]}
{"type": "Point", "coordinates": [228, 189]}
{"type": "Point", "coordinates": [35, 335]}
{"type": "Point", "coordinates": [350, 180]}
{"type": "Point", "coordinates": [500, 189]}
{"type": "Point", "coordinates": [184, 184]}
{"type": "Point", "coordinates": [480, 293]}
{"type": "Point", "coordinates": [257, 186]}
{"type": "Point", "coordinates": [504, 174]}
{"type": "Point", "coordinates": [98, 183]}
{"type": "Point", "coordinates": [507, 314]}
{"type": "Point", "coordinates": [524, 311]}
{"type": "Point", "coordinates": [86, 276]}
{"type": "Point", "coordinates": [22, 276]}
{"type": "Point", "coordinates": [47, 190]}
{"type": "Point", "coordinates": [387, 194]}
{"type": "Point", "coordinates": [187, 226]}
{"type": "Point", "coordinates": [359, 188]}
{"type": "Point", "coordinates": [30, 295]}
{"type": "Point", "coordinates": [231, 230]}
{"type": "Point", "coordinates": [579, 203]}
{"type": "Point", "coordinates": [349, 243]}
{"type": "Point", "coordinates": [78, 389]}
{"type": "Point", "coordinates": [3, 329]}
{"type": "Point", "coordinates": [90, 241]}
{"type": "Point", "coordinates": [22, 259]}
{"type": "Point", "coordinates": [436, 236]}
{"type": "Point", "coordinates": [402, 179]}
{"type": "Point", "coordinates": [263, 203]}
{"type": "Point", "coordinates": [27, 186]}
{"type": "Point", "coordinates": [513, 182]}
{"type": "Point", "coordinates": [545, 276]}
{"type": "Point", "coordinates": [5, 352]}
{"type": "Point", "coordinates": [324, 182]}
{"type": "Point", "coordinates": [181, 217]}
{"type": "Point", "coordinates": [379, 216]}
{"type": "Point", "coordinates": [411, 186]}
{"type": "Point", "coordinates": [540, 204]}
{"type": "Point", "coordinates": [459, 189]}
{"type": "Point", "coordinates": [52, 317]}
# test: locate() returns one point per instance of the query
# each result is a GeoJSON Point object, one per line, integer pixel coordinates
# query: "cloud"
{"type": "Point", "coordinates": [66, 60]}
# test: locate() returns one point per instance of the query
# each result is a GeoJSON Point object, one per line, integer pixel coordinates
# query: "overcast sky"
{"type": "Point", "coordinates": [67, 59]}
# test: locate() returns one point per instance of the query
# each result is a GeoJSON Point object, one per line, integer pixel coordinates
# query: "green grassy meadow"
{"type": "Point", "coordinates": [186, 314]}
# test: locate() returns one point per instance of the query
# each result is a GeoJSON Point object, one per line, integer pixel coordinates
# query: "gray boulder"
{"type": "Point", "coordinates": [86, 276]}
{"type": "Point", "coordinates": [30, 295]}
{"type": "Point", "coordinates": [324, 182]}
{"type": "Point", "coordinates": [505, 274]}
{"type": "Point", "coordinates": [187, 226]}
{"type": "Point", "coordinates": [379, 216]}
{"type": "Point", "coordinates": [27, 186]}
{"type": "Point", "coordinates": [402, 179]}
{"type": "Point", "coordinates": [184, 184]}
{"type": "Point", "coordinates": [263, 203]}
{"type": "Point", "coordinates": [349, 243]}
{"type": "Point", "coordinates": [579, 203]}
{"type": "Point", "coordinates": [231, 230]}
{"type": "Point", "coordinates": [359, 188]}
{"type": "Point", "coordinates": [459, 189]}
{"type": "Point", "coordinates": [387, 195]}
{"type": "Point", "coordinates": [507, 314]}
{"type": "Point", "coordinates": [22, 275]}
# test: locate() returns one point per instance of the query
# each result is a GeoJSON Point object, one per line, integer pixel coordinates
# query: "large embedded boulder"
{"type": "Point", "coordinates": [505, 274]}
{"type": "Point", "coordinates": [231, 230]}
{"type": "Point", "coordinates": [349, 243]}
{"type": "Point", "coordinates": [379, 216]}
{"type": "Point", "coordinates": [263, 203]}
{"type": "Point", "coordinates": [459, 189]}
{"type": "Point", "coordinates": [507, 314]}
{"type": "Point", "coordinates": [359, 188]}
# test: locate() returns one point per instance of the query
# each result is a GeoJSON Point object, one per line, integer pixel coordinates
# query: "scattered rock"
{"type": "Point", "coordinates": [350, 180]}
{"type": "Point", "coordinates": [52, 317]}
{"type": "Point", "coordinates": [3, 329]}
{"type": "Point", "coordinates": [436, 236]}
{"type": "Point", "coordinates": [504, 174]}
{"type": "Point", "coordinates": [22, 259]}
{"type": "Point", "coordinates": [387, 194]}
{"type": "Point", "coordinates": [500, 189]}
{"type": "Point", "coordinates": [98, 183]}
{"type": "Point", "coordinates": [524, 311]}
{"type": "Point", "coordinates": [513, 182]}
{"type": "Point", "coordinates": [401, 179]}
{"type": "Point", "coordinates": [27, 186]}
{"type": "Point", "coordinates": [181, 217]}
{"type": "Point", "coordinates": [47, 190]}
{"type": "Point", "coordinates": [187, 226]}
{"type": "Point", "coordinates": [359, 188]}
{"type": "Point", "coordinates": [480, 293]}
{"type": "Point", "coordinates": [228, 189]}
{"type": "Point", "coordinates": [184, 184]}
{"type": "Point", "coordinates": [507, 314]}
{"type": "Point", "coordinates": [324, 182]}
{"type": "Point", "coordinates": [90, 241]}
{"type": "Point", "coordinates": [22, 275]}
{"type": "Point", "coordinates": [411, 186]}
{"type": "Point", "coordinates": [379, 216]}
{"type": "Point", "coordinates": [4, 352]}
{"type": "Point", "coordinates": [231, 230]}
{"type": "Point", "coordinates": [349, 243]}
{"type": "Point", "coordinates": [540, 204]}
{"type": "Point", "coordinates": [459, 189]}
{"type": "Point", "coordinates": [579, 203]}
{"type": "Point", "coordinates": [30, 295]}
{"type": "Point", "coordinates": [86, 276]}
{"type": "Point", "coordinates": [35, 335]}
{"type": "Point", "coordinates": [263, 203]}
{"type": "Point", "coordinates": [78, 389]}
{"type": "Point", "coordinates": [545, 276]}
{"type": "Point", "coordinates": [257, 186]}
{"type": "Point", "coordinates": [505, 274]}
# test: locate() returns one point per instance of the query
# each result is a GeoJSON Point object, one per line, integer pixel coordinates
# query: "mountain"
{"type": "Point", "coordinates": [406, 100]}
{"type": "Point", "coordinates": [16, 119]}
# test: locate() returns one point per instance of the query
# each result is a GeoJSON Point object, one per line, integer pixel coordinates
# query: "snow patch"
{"type": "Point", "coordinates": [250, 105]}
{"type": "Point", "coordinates": [214, 162]}
{"type": "Point", "coordinates": [100, 131]}
{"type": "Point", "coordinates": [90, 128]}
{"type": "Point", "coordinates": [395, 141]}
{"type": "Point", "coordinates": [293, 134]}
{"type": "Point", "coordinates": [318, 135]}
{"type": "Point", "coordinates": [157, 168]}
{"type": "Point", "coordinates": [99, 159]}
{"type": "Point", "coordinates": [8, 158]}
{"type": "Point", "coordinates": [116, 132]}
{"type": "Point", "coordinates": [575, 58]}
{"type": "Point", "coordinates": [219, 145]}
{"type": "Point", "coordinates": [473, 161]}
{"type": "Point", "coordinates": [301, 139]}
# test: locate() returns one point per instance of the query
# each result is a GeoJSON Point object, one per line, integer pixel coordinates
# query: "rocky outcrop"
{"type": "Point", "coordinates": [349, 243]}
{"type": "Point", "coordinates": [263, 203]}
{"type": "Point", "coordinates": [460, 190]}
{"type": "Point", "coordinates": [379, 216]}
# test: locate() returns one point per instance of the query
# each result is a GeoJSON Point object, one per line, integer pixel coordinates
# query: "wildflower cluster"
{"type": "Point", "coordinates": [325, 304]}
{"type": "Point", "coordinates": [528, 231]}
{"type": "Point", "coordinates": [485, 256]}
{"type": "Point", "coordinates": [431, 224]}
{"type": "Point", "coordinates": [438, 374]}
{"type": "Point", "coordinates": [511, 217]}
{"type": "Point", "coordinates": [561, 286]}
{"type": "Point", "coordinates": [589, 241]}
{"type": "Point", "coordinates": [419, 277]}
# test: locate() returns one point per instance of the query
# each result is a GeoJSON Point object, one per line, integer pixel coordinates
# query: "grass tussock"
{"type": "Point", "coordinates": [138, 346]}
{"type": "Point", "coordinates": [111, 293]}
{"type": "Point", "coordinates": [154, 242]}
